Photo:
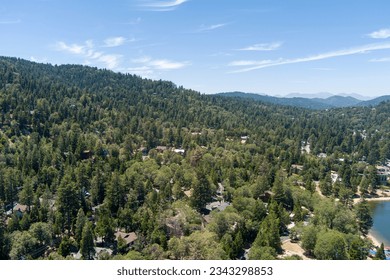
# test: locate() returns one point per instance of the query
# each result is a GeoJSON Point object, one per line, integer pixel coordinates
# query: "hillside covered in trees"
{"type": "Point", "coordinates": [101, 165]}
{"type": "Point", "coordinates": [333, 101]}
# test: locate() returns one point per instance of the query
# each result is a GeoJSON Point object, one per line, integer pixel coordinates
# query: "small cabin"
{"type": "Point", "coordinates": [129, 237]}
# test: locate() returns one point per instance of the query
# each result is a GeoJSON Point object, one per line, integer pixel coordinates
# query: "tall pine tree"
{"type": "Point", "coordinates": [87, 245]}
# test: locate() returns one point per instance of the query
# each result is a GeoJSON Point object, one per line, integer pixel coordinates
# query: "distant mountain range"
{"type": "Point", "coordinates": [324, 95]}
{"type": "Point", "coordinates": [328, 102]}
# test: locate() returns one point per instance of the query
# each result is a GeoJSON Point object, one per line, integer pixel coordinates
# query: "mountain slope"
{"type": "Point", "coordinates": [294, 101]}
{"type": "Point", "coordinates": [375, 101]}
{"type": "Point", "coordinates": [339, 101]}
{"type": "Point", "coordinates": [122, 155]}
{"type": "Point", "coordinates": [334, 101]}
{"type": "Point", "coordinates": [325, 95]}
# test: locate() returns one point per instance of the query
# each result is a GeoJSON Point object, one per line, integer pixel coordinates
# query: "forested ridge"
{"type": "Point", "coordinates": [106, 165]}
{"type": "Point", "coordinates": [335, 101]}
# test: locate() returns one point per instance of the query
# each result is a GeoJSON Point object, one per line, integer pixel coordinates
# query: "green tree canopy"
{"type": "Point", "coordinates": [331, 245]}
{"type": "Point", "coordinates": [87, 245]}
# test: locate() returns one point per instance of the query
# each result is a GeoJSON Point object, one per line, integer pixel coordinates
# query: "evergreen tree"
{"type": "Point", "coordinates": [80, 223]}
{"type": "Point", "coordinates": [13, 223]}
{"type": "Point", "coordinates": [115, 197]}
{"type": "Point", "coordinates": [25, 222]}
{"type": "Point", "coordinates": [42, 232]}
{"type": "Point", "coordinates": [4, 241]}
{"type": "Point", "coordinates": [364, 185]}
{"type": "Point", "coordinates": [373, 178]}
{"type": "Point", "coordinates": [380, 253]}
{"type": "Point", "coordinates": [238, 244]}
{"type": "Point", "coordinates": [268, 235]}
{"type": "Point", "coordinates": [326, 185]}
{"type": "Point", "coordinates": [87, 245]}
{"type": "Point", "coordinates": [346, 196]}
{"type": "Point", "coordinates": [11, 183]}
{"type": "Point", "coordinates": [278, 189]}
{"type": "Point", "coordinates": [227, 243]}
{"type": "Point", "coordinates": [262, 253]}
{"type": "Point", "coordinates": [309, 239]}
{"type": "Point", "coordinates": [105, 225]}
{"type": "Point", "coordinates": [26, 196]}
{"type": "Point", "coordinates": [97, 188]}
{"type": "Point", "coordinates": [68, 201]}
{"type": "Point", "coordinates": [201, 191]}
{"type": "Point", "coordinates": [363, 217]}
{"type": "Point", "coordinates": [358, 248]}
{"type": "Point", "coordinates": [298, 214]}
{"type": "Point", "coordinates": [64, 248]}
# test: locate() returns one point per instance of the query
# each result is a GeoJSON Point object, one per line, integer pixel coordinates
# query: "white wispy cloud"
{"type": "Point", "coordinates": [164, 64]}
{"type": "Point", "coordinates": [263, 47]}
{"type": "Point", "coordinates": [39, 60]}
{"type": "Point", "coordinates": [248, 62]}
{"type": "Point", "coordinates": [73, 48]}
{"type": "Point", "coordinates": [143, 71]}
{"type": "Point", "coordinates": [89, 53]}
{"type": "Point", "coordinates": [380, 34]}
{"type": "Point", "coordinates": [161, 6]}
{"type": "Point", "coordinates": [147, 66]}
{"type": "Point", "coordinates": [141, 60]}
{"type": "Point", "coordinates": [160, 64]}
{"type": "Point", "coordinates": [111, 61]}
{"type": "Point", "coordinates": [205, 28]}
{"type": "Point", "coordinates": [283, 61]}
{"type": "Point", "coordinates": [383, 59]}
{"type": "Point", "coordinates": [114, 42]}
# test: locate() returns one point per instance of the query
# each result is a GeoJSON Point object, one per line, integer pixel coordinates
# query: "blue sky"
{"type": "Point", "coordinates": [264, 46]}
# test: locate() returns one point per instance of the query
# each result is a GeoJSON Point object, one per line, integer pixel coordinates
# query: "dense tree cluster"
{"type": "Point", "coordinates": [90, 153]}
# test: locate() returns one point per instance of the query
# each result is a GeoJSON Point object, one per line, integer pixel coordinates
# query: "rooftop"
{"type": "Point", "coordinates": [129, 237]}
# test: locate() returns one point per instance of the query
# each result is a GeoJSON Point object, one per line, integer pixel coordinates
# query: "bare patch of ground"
{"type": "Point", "coordinates": [291, 248]}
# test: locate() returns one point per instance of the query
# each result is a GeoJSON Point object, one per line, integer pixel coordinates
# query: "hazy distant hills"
{"type": "Point", "coordinates": [332, 101]}
{"type": "Point", "coordinates": [324, 95]}
{"type": "Point", "coordinates": [375, 101]}
{"type": "Point", "coordinates": [339, 101]}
